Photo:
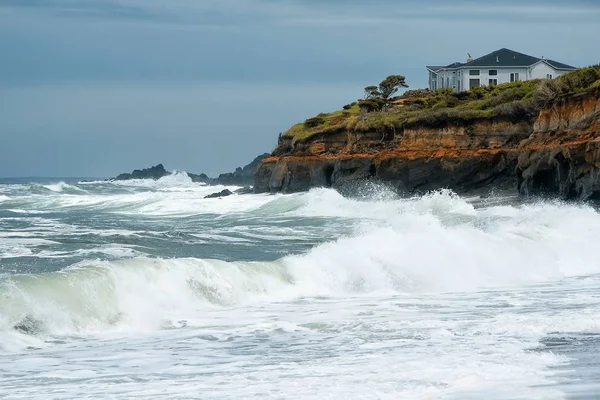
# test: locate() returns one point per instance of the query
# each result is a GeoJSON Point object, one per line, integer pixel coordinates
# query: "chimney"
{"type": "Point", "coordinates": [469, 58]}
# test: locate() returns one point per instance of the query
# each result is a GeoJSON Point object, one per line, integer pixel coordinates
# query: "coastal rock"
{"type": "Point", "coordinates": [222, 193]}
{"type": "Point", "coordinates": [240, 177]}
{"type": "Point", "coordinates": [244, 190]}
{"type": "Point", "coordinates": [563, 154]}
{"type": "Point", "coordinates": [555, 152]}
{"type": "Point", "coordinates": [156, 172]}
{"type": "Point", "coordinates": [200, 178]}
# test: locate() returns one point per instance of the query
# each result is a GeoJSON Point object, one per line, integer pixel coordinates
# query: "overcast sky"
{"type": "Point", "coordinates": [97, 87]}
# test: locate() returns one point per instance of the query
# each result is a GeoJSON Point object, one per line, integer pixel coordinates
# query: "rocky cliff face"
{"type": "Point", "coordinates": [558, 152]}
{"type": "Point", "coordinates": [563, 153]}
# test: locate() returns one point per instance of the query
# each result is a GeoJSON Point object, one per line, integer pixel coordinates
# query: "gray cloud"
{"type": "Point", "coordinates": [173, 68]}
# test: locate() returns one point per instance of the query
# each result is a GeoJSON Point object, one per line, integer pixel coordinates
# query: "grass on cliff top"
{"type": "Point", "coordinates": [509, 101]}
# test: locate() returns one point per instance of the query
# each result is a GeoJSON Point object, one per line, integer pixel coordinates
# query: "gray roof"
{"type": "Point", "coordinates": [559, 65]}
{"type": "Point", "coordinates": [505, 58]}
{"type": "Point", "coordinates": [454, 65]}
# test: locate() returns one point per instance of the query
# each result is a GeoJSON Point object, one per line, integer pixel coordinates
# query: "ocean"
{"type": "Point", "coordinates": [146, 290]}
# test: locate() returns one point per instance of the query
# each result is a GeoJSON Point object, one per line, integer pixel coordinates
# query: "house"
{"type": "Point", "coordinates": [500, 66]}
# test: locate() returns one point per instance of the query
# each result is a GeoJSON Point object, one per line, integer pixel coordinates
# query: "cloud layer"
{"type": "Point", "coordinates": [249, 45]}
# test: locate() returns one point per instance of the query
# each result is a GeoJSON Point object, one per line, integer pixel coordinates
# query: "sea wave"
{"type": "Point", "coordinates": [438, 243]}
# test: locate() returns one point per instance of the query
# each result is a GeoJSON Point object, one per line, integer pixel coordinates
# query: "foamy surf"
{"type": "Point", "coordinates": [435, 296]}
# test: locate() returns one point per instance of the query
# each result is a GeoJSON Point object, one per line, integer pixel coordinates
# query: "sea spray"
{"type": "Point", "coordinates": [437, 243]}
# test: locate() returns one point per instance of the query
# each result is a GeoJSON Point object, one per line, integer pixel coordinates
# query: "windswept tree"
{"type": "Point", "coordinates": [372, 92]}
{"type": "Point", "coordinates": [377, 97]}
{"type": "Point", "coordinates": [390, 85]}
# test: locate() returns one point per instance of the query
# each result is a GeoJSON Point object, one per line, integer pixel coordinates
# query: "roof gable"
{"type": "Point", "coordinates": [504, 58]}
{"type": "Point", "coordinates": [434, 68]}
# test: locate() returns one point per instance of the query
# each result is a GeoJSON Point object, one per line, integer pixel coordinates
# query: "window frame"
{"type": "Point", "coordinates": [493, 72]}
{"type": "Point", "coordinates": [474, 72]}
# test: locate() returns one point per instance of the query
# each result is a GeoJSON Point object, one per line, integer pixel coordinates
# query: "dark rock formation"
{"type": "Point", "coordinates": [240, 177]}
{"type": "Point", "coordinates": [202, 178]}
{"type": "Point", "coordinates": [222, 193]}
{"type": "Point", "coordinates": [244, 190]}
{"type": "Point", "coordinates": [555, 152]}
{"type": "Point", "coordinates": [156, 172]}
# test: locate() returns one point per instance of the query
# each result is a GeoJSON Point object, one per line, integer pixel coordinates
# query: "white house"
{"type": "Point", "coordinates": [500, 66]}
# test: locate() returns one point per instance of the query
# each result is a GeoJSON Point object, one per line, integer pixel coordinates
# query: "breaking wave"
{"type": "Point", "coordinates": [436, 243]}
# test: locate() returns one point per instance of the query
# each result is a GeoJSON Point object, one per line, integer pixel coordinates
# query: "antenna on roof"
{"type": "Point", "coordinates": [469, 58]}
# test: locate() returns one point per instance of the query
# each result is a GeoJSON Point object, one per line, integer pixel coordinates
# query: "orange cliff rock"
{"type": "Point", "coordinates": [556, 152]}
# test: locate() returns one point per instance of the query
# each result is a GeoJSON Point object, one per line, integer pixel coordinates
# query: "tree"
{"type": "Point", "coordinates": [390, 85]}
{"type": "Point", "coordinates": [371, 92]}
{"type": "Point", "coordinates": [377, 97]}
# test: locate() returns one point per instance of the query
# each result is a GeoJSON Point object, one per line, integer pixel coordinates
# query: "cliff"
{"type": "Point", "coordinates": [530, 145]}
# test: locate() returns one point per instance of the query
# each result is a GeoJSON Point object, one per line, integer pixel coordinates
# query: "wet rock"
{"type": "Point", "coordinates": [222, 193]}
{"type": "Point", "coordinates": [244, 190]}
{"type": "Point", "coordinates": [156, 172]}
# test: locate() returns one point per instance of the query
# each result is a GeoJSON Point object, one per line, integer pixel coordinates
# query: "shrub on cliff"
{"type": "Point", "coordinates": [571, 82]}
{"type": "Point", "coordinates": [315, 121]}
{"type": "Point", "coordinates": [372, 104]}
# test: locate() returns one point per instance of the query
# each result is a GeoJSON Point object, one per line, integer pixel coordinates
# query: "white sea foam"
{"type": "Point", "coordinates": [426, 297]}
{"type": "Point", "coordinates": [410, 252]}
{"type": "Point", "coordinates": [62, 186]}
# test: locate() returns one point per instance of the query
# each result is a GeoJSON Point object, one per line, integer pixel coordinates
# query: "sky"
{"type": "Point", "coordinates": [92, 88]}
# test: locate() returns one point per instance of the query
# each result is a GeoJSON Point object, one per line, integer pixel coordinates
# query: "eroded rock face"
{"type": "Point", "coordinates": [562, 156]}
{"type": "Point", "coordinates": [558, 152]}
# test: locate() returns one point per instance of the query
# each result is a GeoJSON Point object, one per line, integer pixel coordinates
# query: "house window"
{"type": "Point", "coordinates": [473, 72]}
{"type": "Point", "coordinates": [548, 76]}
{"type": "Point", "coordinates": [447, 81]}
{"type": "Point", "coordinates": [493, 82]}
{"type": "Point", "coordinates": [473, 83]}
{"type": "Point", "coordinates": [493, 72]}
{"type": "Point", "coordinates": [514, 76]}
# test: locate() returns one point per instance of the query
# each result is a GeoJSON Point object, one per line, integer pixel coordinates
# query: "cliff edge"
{"type": "Point", "coordinates": [534, 137]}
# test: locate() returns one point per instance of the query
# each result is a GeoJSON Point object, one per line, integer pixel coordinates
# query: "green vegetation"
{"type": "Point", "coordinates": [377, 98]}
{"type": "Point", "coordinates": [378, 111]}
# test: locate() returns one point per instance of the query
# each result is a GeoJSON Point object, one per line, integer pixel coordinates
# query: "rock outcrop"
{"type": "Point", "coordinates": [556, 152]}
{"type": "Point", "coordinates": [222, 193]}
{"type": "Point", "coordinates": [156, 172]}
{"type": "Point", "coordinates": [240, 177]}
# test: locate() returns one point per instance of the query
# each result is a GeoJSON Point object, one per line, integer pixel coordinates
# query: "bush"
{"type": "Point", "coordinates": [439, 105]}
{"type": "Point", "coordinates": [349, 106]}
{"type": "Point", "coordinates": [516, 110]}
{"type": "Point", "coordinates": [315, 121]}
{"type": "Point", "coordinates": [372, 104]}
{"type": "Point", "coordinates": [462, 95]}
